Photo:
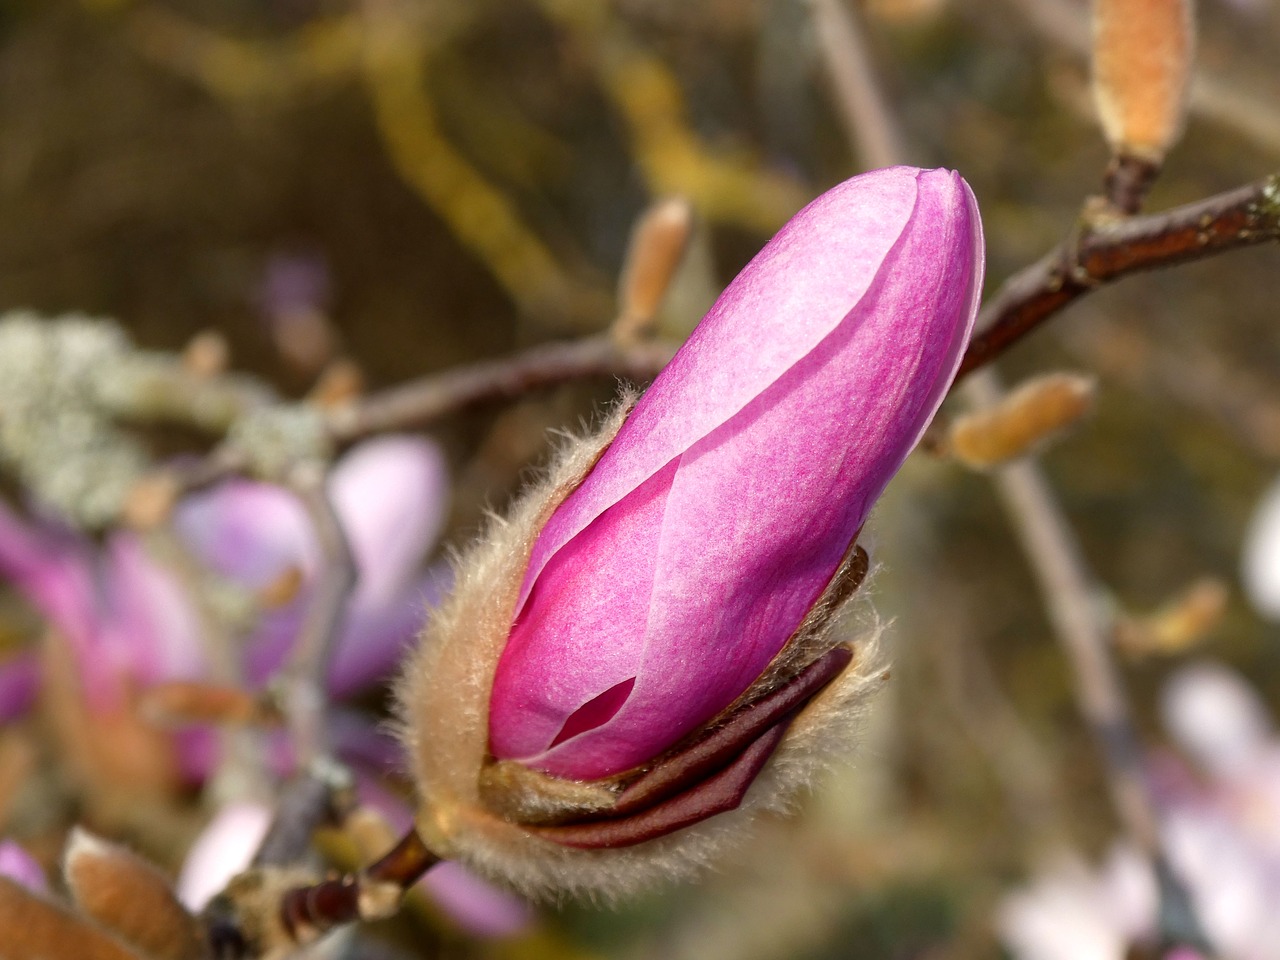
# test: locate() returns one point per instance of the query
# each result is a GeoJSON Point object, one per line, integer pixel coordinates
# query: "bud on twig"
{"type": "Point", "coordinates": [206, 355]}
{"type": "Point", "coordinates": [1177, 626]}
{"type": "Point", "coordinates": [600, 701]}
{"type": "Point", "coordinates": [1142, 63]}
{"type": "Point", "coordinates": [654, 253]}
{"type": "Point", "coordinates": [186, 701]}
{"type": "Point", "coordinates": [1028, 417]}
{"type": "Point", "coordinates": [129, 897]}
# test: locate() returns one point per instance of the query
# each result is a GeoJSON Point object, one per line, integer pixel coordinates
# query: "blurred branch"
{"type": "Point", "coordinates": [321, 796]}
{"type": "Point", "coordinates": [484, 220]}
{"type": "Point", "coordinates": [867, 121]}
{"type": "Point", "coordinates": [725, 185]}
{"type": "Point", "coordinates": [304, 698]}
{"type": "Point", "coordinates": [432, 397]}
{"type": "Point", "coordinates": [1238, 400]}
{"type": "Point", "coordinates": [371, 894]}
{"type": "Point", "coordinates": [1103, 252]}
{"type": "Point", "coordinates": [325, 50]}
{"type": "Point", "coordinates": [1072, 597]}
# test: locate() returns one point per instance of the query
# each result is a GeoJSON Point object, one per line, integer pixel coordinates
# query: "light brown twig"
{"type": "Point", "coordinates": [304, 697]}
{"type": "Point", "coordinates": [429, 398]}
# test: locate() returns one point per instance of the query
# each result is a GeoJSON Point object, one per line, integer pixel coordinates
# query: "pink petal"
{"type": "Point", "coordinates": [19, 685]}
{"type": "Point", "coordinates": [249, 532]}
{"type": "Point", "coordinates": [750, 464]}
{"type": "Point", "coordinates": [391, 494]}
{"type": "Point", "coordinates": [152, 613]}
{"type": "Point", "coordinates": [223, 849]}
{"type": "Point", "coordinates": [22, 868]}
{"type": "Point", "coordinates": [477, 906]}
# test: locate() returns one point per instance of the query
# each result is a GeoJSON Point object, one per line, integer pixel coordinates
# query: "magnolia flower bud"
{"type": "Point", "coordinates": [623, 655]}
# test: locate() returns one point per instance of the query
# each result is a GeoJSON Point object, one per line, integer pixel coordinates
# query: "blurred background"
{"type": "Point", "coordinates": [416, 185]}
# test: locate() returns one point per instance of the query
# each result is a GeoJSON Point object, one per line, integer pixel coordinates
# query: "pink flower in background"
{"type": "Point", "coordinates": [391, 498]}
{"type": "Point", "coordinates": [126, 620]}
{"type": "Point", "coordinates": [666, 583]}
{"type": "Point", "coordinates": [1220, 830]}
{"type": "Point", "coordinates": [19, 685]}
{"type": "Point", "coordinates": [20, 867]}
{"type": "Point", "coordinates": [129, 621]}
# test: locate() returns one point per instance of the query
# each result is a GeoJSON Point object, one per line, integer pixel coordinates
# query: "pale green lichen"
{"type": "Point", "coordinates": [1269, 205]}
{"type": "Point", "coordinates": [276, 439]}
{"type": "Point", "coordinates": [152, 386]}
{"type": "Point", "coordinates": [54, 433]}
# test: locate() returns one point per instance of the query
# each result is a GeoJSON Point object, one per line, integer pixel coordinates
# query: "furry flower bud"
{"type": "Point", "coordinates": [622, 656]}
{"type": "Point", "coordinates": [665, 584]}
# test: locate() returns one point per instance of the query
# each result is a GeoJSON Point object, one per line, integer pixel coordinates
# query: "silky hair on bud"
{"type": "Point", "coordinates": [443, 699]}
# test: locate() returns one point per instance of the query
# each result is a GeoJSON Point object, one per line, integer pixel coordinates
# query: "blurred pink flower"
{"type": "Point", "coordinates": [1219, 828]}
{"type": "Point", "coordinates": [127, 621]}
{"type": "Point", "coordinates": [390, 495]}
{"type": "Point", "coordinates": [131, 623]}
{"type": "Point", "coordinates": [671, 577]}
{"type": "Point", "coordinates": [22, 868]}
{"type": "Point", "coordinates": [19, 685]}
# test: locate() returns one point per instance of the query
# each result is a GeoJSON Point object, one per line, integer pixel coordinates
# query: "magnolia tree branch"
{"type": "Point", "coordinates": [373, 893]}
{"type": "Point", "coordinates": [432, 397]}
{"type": "Point", "coordinates": [1104, 252]}
{"type": "Point", "coordinates": [304, 698]}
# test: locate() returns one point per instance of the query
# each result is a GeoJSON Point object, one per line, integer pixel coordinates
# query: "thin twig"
{"type": "Point", "coordinates": [323, 795]}
{"type": "Point", "coordinates": [429, 398]}
{"type": "Point", "coordinates": [1105, 252]}
{"type": "Point", "coordinates": [371, 894]}
{"type": "Point", "coordinates": [1071, 596]}
{"type": "Point", "coordinates": [867, 121]}
{"type": "Point", "coordinates": [304, 698]}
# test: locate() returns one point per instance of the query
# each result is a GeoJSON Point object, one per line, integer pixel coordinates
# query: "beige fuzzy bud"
{"type": "Point", "coordinates": [206, 355]}
{"type": "Point", "coordinates": [1143, 52]}
{"type": "Point", "coordinates": [654, 254]}
{"type": "Point", "coordinates": [34, 927]}
{"type": "Point", "coordinates": [1177, 626]}
{"type": "Point", "coordinates": [1028, 417]}
{"type": "Point", "coordinates": [130, 897]}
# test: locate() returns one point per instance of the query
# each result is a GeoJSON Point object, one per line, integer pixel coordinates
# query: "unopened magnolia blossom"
{"type": "Point", "coordinates": [677, 575]}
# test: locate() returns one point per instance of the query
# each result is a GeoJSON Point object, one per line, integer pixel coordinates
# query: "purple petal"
{"type": "Point", "coordinates": [725, 504]}
{"type": "Point", "coordinates": [151, 614]}
{"type": "Point", "coordinates": [377, 634]}
{"type": "Point", "coordinates": [22, 868]}
{"type": "Point", "coordinates": [248, 532]}
{"type": "Point", "coordinates": [477, 906]}
{"type": "Point", "coordinates": [391, 495]}
{"type": "Point", "coordinates": [19, 685]}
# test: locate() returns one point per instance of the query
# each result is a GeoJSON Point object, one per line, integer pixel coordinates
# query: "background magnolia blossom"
{"type": "Point", "coordinates": [130, 622]}
{"type": "Point", "coordinates": [1220, 813]}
